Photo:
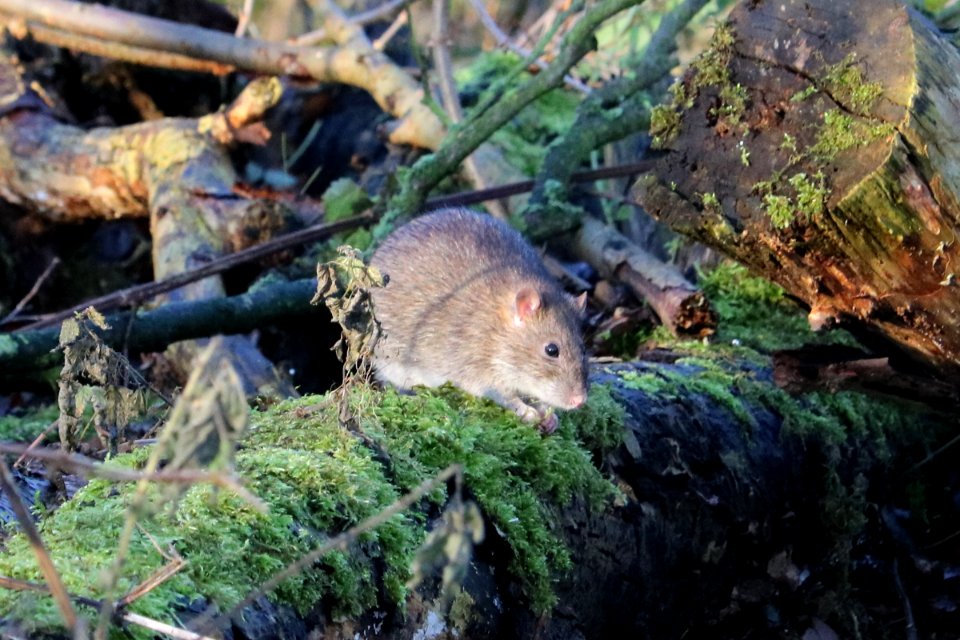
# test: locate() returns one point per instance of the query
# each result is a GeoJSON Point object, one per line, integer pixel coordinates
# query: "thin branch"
{"type": "Point", "coordinates": [132, 618]}
{"type": "Point", "coordinates": [36, 443]}
{"type": "Point", "coordinates": [353, 61]}
{"type": "Point", "coordinates": [153, 581]}
{"type": "Point", "coordinates": [88, 467]}
{"type": "Point", "coordinates": [143, 292]}
{"type": "Point", "coordinates": [451, 99]}
{"type": "Point", "coordinates": [33, 291]}
{"type": "Point", "coordinates": [398, 23]}
{"type": "Point", "coordinates": [130, 53]}
{"type": "Point", "coordinates": [312, 38]}
{"type": "Point", "coordinates": [911, 624]}
{"type": "Point", "coordinates": [506, 41]}
{"type": "Point", "coordinates": [429, 171]}
{"type": "Point", "coordinates": [245, 14]}
{"type": "Point", "coordinates": [50, 573]}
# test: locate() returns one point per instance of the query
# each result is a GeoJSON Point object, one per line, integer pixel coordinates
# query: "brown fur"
{"type": "Point", "coordinates": [450, 313]}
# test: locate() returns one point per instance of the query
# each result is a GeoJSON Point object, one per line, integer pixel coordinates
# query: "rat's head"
{"type": "Point", "coordinates": [542, 355]}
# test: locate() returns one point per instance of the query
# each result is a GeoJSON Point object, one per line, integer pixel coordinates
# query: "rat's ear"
{"type": "Point", "coordinates": [526, 305]}
{"type": "Point", "coordinates": [580, 302]}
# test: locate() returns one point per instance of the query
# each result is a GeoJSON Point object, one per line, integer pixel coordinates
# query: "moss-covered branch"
{"type": "Point", "coordinates": [467, 136]}
{"type": "Point", "coordinates": [154, 330]}
{"type": "Point", "coordinates": [609, 114]}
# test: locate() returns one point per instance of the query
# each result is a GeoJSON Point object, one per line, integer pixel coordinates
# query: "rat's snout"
{"type": "Point", "coordinates": [576, 399]}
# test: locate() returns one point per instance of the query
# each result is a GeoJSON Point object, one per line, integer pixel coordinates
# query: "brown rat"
{"type": "Point", "coordinates": [468, 301]}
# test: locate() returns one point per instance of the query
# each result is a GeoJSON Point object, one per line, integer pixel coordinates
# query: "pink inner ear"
{"type": "Point", "coordinates": [527, 303]}
{"type": "Point", "coordinates": [580, 302]}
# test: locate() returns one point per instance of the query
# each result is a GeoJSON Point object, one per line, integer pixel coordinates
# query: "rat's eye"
{"type": "Point", "coordinates": [552, 350]}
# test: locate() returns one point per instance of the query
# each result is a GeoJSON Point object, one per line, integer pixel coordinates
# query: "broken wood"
{"type": "Point", "coordinates": [679, 304]}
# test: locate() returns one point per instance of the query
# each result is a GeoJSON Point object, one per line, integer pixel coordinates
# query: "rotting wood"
{"type": "Point", "coordinates": [816, 143]}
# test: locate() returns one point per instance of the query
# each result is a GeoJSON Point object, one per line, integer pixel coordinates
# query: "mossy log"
{"type": "Point", "coordinates": [724, 487]}
{"type": "Point", "coordinates": [816, 143]}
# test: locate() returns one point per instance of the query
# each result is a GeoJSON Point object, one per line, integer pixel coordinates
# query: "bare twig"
{"type": "Point", "coordinates": [24, 585]}
{"type": "Point", "coordinates": [118, 51]}
{"type": "Point", "coordinates": [451, 99]}
{"type": "Point", "coordinates": [33, 291]}
{"type": "Point", "coordinates": [160, 627]}
{"type": "Point", "coordinates": [366, 17]}
{"type": "Point", "coordinates": [341, 541]}
{"type": "Point", "coordinates": [153, 581]}
{"type": "Point", "coordinates": [506, 41]}
{"type": "Point", "coordinates": [381, 43]}
{"type": "Point", "coordinates": [911, 630]}
{"type": "Point", "coordinates": [50, 573]}
{"type": "Point", "coordinates": [132, 618]}
{"type": "Point", "coordinates": [143, 292]}
{"type": "Point", "coordinates": [36, 443]}
{"type": "Point", "coordinates": [245, 14]}
{"type": "Point", "coordinates": [352, 62]}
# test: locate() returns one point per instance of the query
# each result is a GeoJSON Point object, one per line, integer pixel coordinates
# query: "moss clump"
{"type": "Point", "coordinates": [841, 131]}
{"type": "Point", "coordinates": [711, 68]}
{"type": "Point", "coordinates": [779, 209]}
{"type": "Point", "coordinates": [845, 83]}
{"type": "Point", "coordinates": [318, 480]}
{"type": "Point", "coordinates": [27, 426]}
{"type": "Point", "coordinates": [710, 201]}
{"type": "Point", "coordinates": [806, 202]}
{"type": "Point", "coordinates": [325, 481]}
{"type": "Point", "coordinates": [665, 123]}
{"type": "Point", "coordinates": [756, 313]}
{"type": "Point", "coordinates": [518, 477]}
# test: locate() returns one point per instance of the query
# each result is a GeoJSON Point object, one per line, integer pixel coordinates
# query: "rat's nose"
{"type": "Point", "coordinates": [576, 399]}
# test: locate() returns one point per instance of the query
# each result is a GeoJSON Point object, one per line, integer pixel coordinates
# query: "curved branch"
{"type": "Point", "coordinates": [355, 62]}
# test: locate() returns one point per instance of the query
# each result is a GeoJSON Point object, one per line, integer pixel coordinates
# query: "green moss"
{"type": "Point", "coordinates": [845, 83]}
{"type": "Point", "coordinates": [515, 474]}
{"type": "Point", "coordinates": [710, 200]}
{"type": "Point", "coordinates": [665, 123]}
{"type": "Point", "coordinates": [27, 426]}
{"type": "Point", "coordinates": [713, 65]}
{"type": "Point", "coordinates": [319, 479]}
{"type": "Point", "coordinates": [711, 68]}
{"type": "Point", "coordinates": [462, 612]}
{"type": "Point", "coordinates": [807, 201]}
{"type": "Point", "coordinates": [803, 94]}
{"type": "Point", "coordinates": [756, 313]}
{"type": "Point", "coordinates": [789, 142]}
{"type": "Point", "coordinates": [841, 131]}
{"type": "Point", "coordinates": [779, 209]}
{"type": "Point", "coordinates": [811, 194]}
{"type": "Point", "coordinates": [733, 106]}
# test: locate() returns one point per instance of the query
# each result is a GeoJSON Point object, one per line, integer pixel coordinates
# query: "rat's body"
{"type": "Point", "coordinates": [468, 301]}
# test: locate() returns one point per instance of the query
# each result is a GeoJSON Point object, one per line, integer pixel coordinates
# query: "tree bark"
{"type": "Point", "coordinates": [817, 143]}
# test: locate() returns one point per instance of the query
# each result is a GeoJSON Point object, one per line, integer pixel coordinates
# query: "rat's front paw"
{"type": "Point", "coordinates": [527, 413]}
{"type": "Point", "coordinates": [548, 423]}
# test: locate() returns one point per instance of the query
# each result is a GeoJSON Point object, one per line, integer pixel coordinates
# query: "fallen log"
{"type": "Point", "coordinates": [731, 502]}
